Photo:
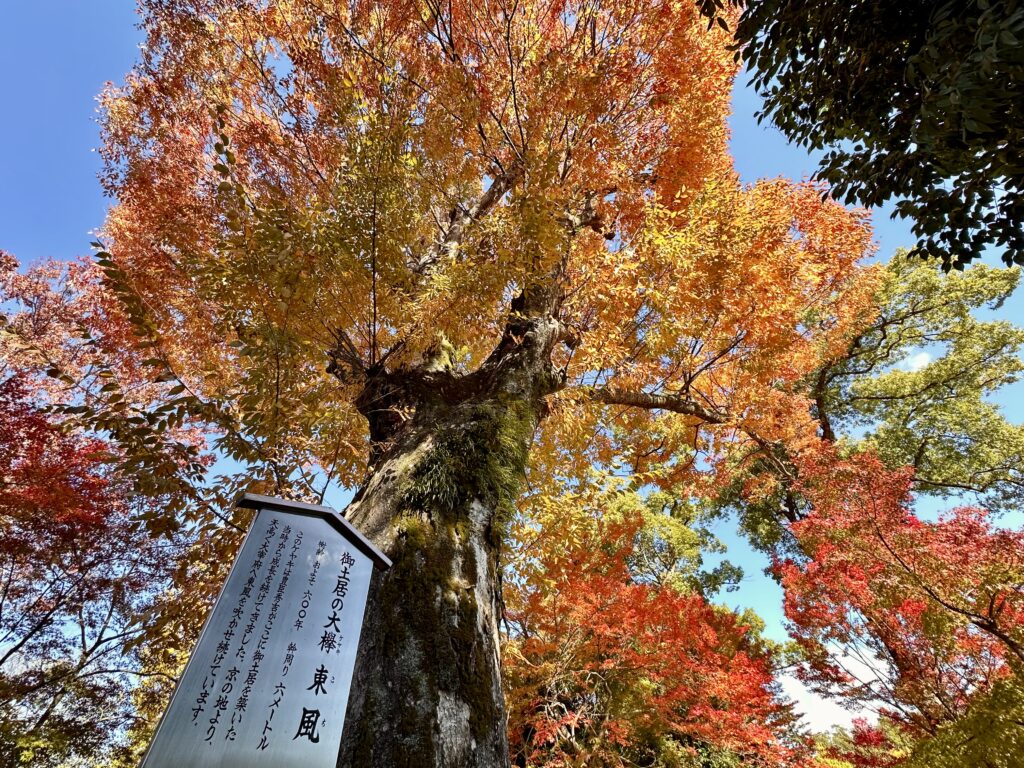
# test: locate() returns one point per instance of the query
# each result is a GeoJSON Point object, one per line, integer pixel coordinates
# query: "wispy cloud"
{"type": "Point", "coordinates": [819, 713]}
{"type": "Point", "coordinates": [916, 362]}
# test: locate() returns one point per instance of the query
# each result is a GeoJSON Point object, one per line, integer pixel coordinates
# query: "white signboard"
{"type": "Point", "coordinates": [268, 682]}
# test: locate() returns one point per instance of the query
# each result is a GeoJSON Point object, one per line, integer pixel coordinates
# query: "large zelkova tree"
{"type": "Point", "coordinates": [406, 247]}
{"type": "Point", "coordinates": [431, 252]}
{"type": "Point", "coordinates": [427, 253]}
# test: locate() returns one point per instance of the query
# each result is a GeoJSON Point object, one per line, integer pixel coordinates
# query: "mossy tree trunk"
{"type": "Point", "coordinates": [449, 456]}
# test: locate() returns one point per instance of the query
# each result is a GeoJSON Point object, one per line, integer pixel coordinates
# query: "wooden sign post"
{"type": "Point", "coordinates": [268, 681]}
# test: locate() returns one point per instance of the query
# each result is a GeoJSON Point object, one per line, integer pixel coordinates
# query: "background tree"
{"type": "Point", "coordinates": [915, 101]}
{"type": "Point", "coordinates": [990, 732]}
{"type": "Point", "coordinates": [91, 515]}
{"type": "Point", "coordinates": [616, 657]}
{"type": "Point", "coordinates": [75, 577]}
{"type": "Point", "coordinates": [914, 387]}
{"type": "Point", "coordinates": [923, 619]}
{"type": "Point", "coordinates": [865, 745]}
{"type": "Point", "coordinates": [878, 598]}
{"type": "Point", "coordinates": [919, 381]}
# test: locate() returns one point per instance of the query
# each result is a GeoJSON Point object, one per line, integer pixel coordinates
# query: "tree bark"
{"type": "Point", "coordinates": [427, 687]}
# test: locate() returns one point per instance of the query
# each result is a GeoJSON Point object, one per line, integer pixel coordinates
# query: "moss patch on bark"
{"type": "Point", "coordinates": [455, 506]}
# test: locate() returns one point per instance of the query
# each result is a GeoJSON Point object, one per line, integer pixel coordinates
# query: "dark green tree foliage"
{"type": "Point", "coordinates": [918, 101]}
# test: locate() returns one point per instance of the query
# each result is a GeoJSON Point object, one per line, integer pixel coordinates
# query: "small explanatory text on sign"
{"type": "Point", "coordinates": [269, 681]}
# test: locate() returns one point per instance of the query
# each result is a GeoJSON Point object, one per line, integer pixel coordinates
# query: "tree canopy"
{"type": "Point", "coordinates": [918, 102]}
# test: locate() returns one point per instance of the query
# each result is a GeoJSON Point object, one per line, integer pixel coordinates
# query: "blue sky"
{"type": "Point", "coordinates": [56, 56]}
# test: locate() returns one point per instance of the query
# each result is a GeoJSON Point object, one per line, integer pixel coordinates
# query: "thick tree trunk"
{"type": "Point", "coordinates": [427, 689]}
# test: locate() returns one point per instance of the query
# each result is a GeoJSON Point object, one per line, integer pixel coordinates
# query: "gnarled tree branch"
{"type": "Point", "coordinates": [651, 401]}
